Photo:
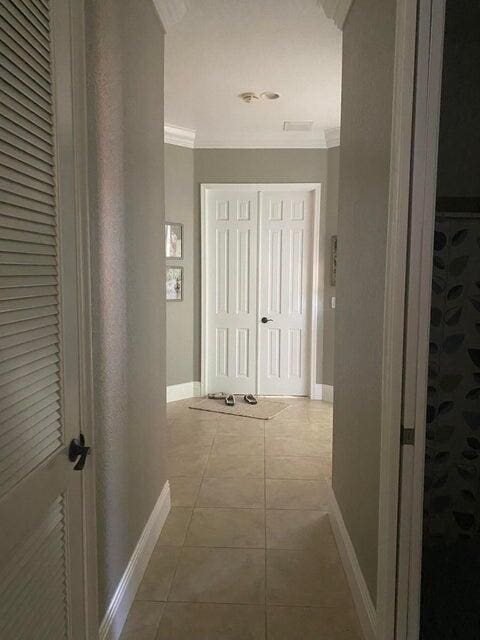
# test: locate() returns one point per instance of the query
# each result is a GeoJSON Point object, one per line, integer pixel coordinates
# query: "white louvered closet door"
{"type": "Point", "coordinates": [41, 565]}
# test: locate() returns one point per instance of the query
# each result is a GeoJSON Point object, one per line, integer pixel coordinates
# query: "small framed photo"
{"type": "Point", "coordinates": [174, 284]}
{"type": "Point", "coordinates": [173, 240]}
{"type": "Point", "coordinates": [333, 261]}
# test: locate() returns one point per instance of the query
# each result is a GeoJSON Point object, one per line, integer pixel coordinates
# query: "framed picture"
{"type": "Point", "coordinates": [174, 283]}
{"type": "Point", "coordinates": [173, 240]}
{"type": "Point", "coordinates": [333, 261]}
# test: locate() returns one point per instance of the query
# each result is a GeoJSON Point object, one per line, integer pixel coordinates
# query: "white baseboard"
{"type": "Point", "coordinates": [322, 392]}
{"type": "Point", "coordinates": [361, 595]}
{"type": "Point", "coordinates": [183, 391]}
{"type": "Point", "coordinates": [117, 612]}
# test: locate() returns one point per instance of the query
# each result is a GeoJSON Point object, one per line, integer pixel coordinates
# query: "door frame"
{"type": "Point", "coordinates": [76, 27]}
{"type": "Point", "coordinates": [418, 300]}
{"type": "Point", "coordinates": [399, 518]}
{"type": "Point", "coordinates": [383, 623]}
{"type": "Point", "coordinates": [316, 324]}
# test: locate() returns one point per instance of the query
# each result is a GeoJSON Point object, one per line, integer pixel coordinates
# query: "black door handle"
{"type": "Point", "coordinates": [77, 449]}
{"type": "Point", "coordinates": [265, 320]}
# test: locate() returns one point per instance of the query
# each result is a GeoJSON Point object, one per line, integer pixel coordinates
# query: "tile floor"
{"type": "Point", "coordinates": [247, 552]}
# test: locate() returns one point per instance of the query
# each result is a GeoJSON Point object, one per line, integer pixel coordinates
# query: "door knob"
{"type": "Point", "coordinates": [265, 320]}
{"type": "Point", "coordinates": [77, 449]}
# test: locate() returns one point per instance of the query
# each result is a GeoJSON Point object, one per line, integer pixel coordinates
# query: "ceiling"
{"type": "Point", "coordinates": [221, 48]}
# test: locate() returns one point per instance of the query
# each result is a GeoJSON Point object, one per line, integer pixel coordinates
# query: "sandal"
{"type": "Point", "coordinates": [250, 398]}
{"type": "Point", "coordinates": [230, 400]}
{"type": "Point", "coordinates": [221, 395]}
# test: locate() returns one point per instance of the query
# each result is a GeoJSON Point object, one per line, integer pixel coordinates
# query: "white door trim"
{"type": "Point", "coordinates": [394, 314]}
{"type": "Point", "coordinates": [79, 118]}
{"type": "Point", "coordinates": [418, 300]}
{"type": "Point", "coordinates": [318, 259]}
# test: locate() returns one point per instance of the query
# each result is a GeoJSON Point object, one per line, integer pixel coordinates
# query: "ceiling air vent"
{"type": "Point", "coordinates": [289, 125]}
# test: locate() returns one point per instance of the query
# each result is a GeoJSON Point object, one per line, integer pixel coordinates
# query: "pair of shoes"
{"type": "Point", "coordinates": [248, 397]}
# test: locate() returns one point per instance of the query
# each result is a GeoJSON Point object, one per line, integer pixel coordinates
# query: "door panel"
{"type": "Point", "coordinates": [244, 354]}
{"type": "Point", "coordinates": [33, 598]}
{"type": "Point", "coordinates": [286, 239]}
{"type": "Point", "coordinates": [232, 238]}
{"type": "Point", "coordinates": [41, 547]}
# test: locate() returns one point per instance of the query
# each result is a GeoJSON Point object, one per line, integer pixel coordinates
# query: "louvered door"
{"type": "Point", "coordinates": [41, 550]}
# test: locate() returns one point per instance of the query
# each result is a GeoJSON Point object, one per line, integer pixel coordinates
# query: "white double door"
{"type": "Point", "coordinates": [258, 285]}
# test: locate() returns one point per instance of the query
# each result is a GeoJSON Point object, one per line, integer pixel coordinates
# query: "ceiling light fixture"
{"type": "Point", "coordinates": [251, 96]}
{"type": "Point", "coordinates": [248, 97]}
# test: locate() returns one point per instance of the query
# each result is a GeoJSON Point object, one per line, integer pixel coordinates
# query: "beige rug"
{"type": "Point", "coordinates": [264, 409]}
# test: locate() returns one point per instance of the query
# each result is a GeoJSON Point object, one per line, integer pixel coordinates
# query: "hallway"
{"type": "Point", "coordinates": [247, 551]}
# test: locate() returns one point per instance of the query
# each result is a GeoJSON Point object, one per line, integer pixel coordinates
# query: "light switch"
{"type": "Point", "coordinates": [332, 302]}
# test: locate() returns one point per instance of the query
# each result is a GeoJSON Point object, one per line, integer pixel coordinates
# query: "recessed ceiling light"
{"type": "Point", "coordinates": [269, 95]}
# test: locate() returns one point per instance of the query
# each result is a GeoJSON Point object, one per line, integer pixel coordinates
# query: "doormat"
{"type": "Point", "coordinates": [263, 410]}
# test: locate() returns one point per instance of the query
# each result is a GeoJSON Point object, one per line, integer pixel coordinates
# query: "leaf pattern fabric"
{"type": "Point", "coordinates": [452, 460]}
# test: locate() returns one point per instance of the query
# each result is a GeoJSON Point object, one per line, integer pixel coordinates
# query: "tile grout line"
{"type": "Point", "coordinates": [203, 477]}
{"type": "Point", "coordinates": [207, 546]}
{"type": "Point", "coordinates": [265, 520]}
{"type": "Point", "coordinates": [253, 604]}
{"type": "Point", "coordinates": [189, 522]}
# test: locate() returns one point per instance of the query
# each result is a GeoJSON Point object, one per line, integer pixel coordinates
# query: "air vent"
{"type": "Point", "coordinates": [289, 125]}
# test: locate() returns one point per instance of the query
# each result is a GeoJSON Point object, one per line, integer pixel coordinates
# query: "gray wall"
{"type": "Point", "coordinates": [181, 366]}
{"type": "Point", "coordinates": [125, 105]}
{"type": "Point", "coordinates": [247, 165]}
{"type": "Point", "coordinates": [367, 90]}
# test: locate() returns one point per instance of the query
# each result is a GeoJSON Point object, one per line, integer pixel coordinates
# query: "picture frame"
{"type": "Point", "coordinates": [174, 284]}
{"type": "Point", "coordinates": [333, 260]}
{"type": "Point", "coordinates": [174, 240]}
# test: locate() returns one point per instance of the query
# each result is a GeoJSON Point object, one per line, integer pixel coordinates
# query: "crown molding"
{"type": "Point", "coordinates": [336, 10]}
{"type": "Point", "coordinates": [179, 136]}
{"type": "Point", "coordinates": [245, 141]}
{"type": "Point", "coordinates": [170, 11]}
{"type": "Point", "coordinates": [332, 137]}
{"type": "Point", "coordinates": [182, 137]}
{"type": "Point", "coordinates": [292, 140]}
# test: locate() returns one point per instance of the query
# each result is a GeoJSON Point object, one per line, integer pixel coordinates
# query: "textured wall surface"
{"type": "Point", "coordinates": [263, 165]}
{"type": "Point", "coordinates": [125, 107]}
{"type": "Point", "coordinates": [181, 366]}
{"type": "Point", "coordinates": [367, 90]}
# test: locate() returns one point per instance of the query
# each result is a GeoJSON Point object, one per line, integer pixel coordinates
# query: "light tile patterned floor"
{"type": "Point", "coordinates": [247, 552]}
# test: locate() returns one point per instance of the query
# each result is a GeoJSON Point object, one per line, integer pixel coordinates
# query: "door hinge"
{"type": "Point", "coordinates": [407, 436]}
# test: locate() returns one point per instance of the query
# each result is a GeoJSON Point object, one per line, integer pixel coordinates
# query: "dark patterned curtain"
{"type": "Point", "coordinates": [452, 475]}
